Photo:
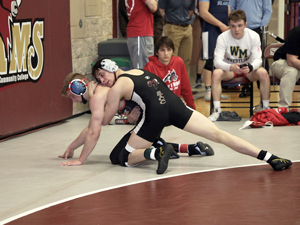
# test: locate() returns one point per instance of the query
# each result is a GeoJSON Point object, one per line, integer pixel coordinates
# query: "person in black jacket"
{"type": "Point", "coordinates": [287, 66]}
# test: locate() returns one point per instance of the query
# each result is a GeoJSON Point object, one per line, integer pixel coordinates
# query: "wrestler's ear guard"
{"type": "Point", "coordinates": [77, 87]}
{"type": "Point", "coordinates": [109, 65]}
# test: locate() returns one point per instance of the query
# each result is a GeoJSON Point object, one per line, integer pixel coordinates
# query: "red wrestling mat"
{"type": "Point", "coordinates": [249, 195]}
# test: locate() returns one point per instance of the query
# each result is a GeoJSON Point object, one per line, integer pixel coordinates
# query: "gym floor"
{"type": "Point", "coordinates": [227, 188]}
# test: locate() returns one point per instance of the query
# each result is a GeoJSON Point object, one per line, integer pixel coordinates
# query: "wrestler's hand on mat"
{"type": "Point", "coordinates": [68, 154]}
{"type": "Point", "coordinates": [134, 115]}
{"type": "Point", "coordinates": [75, 162]}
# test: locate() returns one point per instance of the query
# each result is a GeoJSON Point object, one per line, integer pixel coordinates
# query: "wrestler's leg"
{"type": "Point", "coordinates": [210, 131]}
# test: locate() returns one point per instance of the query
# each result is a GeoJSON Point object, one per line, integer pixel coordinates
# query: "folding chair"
{"type": "Point", "coordinates": [235, 82]}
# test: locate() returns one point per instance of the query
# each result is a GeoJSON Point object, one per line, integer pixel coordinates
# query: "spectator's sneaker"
{"type": "Point", "coordinates": [119, 119]}
{"type": "Point", "coordinates": [245, 92]}
{"type": "Point", "coordinates": [164, 157]}
{"type": "Point", "coordinates": [224, 97]}
{"type": "Point", "coordinates": [201, 149]}
{"type": "Point", "coordinates": [266, 108]}
{"type": "Point", "coordinates": [215, 115]}
{"type": "Point", "coordinates": [207, 96]}
{"type": "Point", "coordinates": [280, 164]}
{"type": "Point", "coordinates": [198, 83]}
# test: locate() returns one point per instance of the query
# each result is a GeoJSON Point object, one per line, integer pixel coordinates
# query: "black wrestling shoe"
{"type": "Point", "coordinates": [245, 92]}
{"type": "Point", "coordinates": [161, 142]}
{"type": "Point", "coordinates": [280, 164]}
{"type": "Point", "coordinates": [201, 149]}
{"type": "Point", "coordinates": [163, 158]}
{"type": "Point", "coordinates": [175, 155]}
{"type": "Point", "coordinates": [158, 142]}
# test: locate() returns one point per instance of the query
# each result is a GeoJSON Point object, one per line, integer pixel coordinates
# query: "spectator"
{"type": "Point", "coordinates": [140, 31]}
{"type": "Point", "coordinates": [258, 15]}
{"type": "Point", "coordinates": [197, 64]}
{"type": "Point", "coordinates": [238, 53]}
{"type": "Point", "coordinates": [215, 22]}
{"type": "Point", "coordinates": [286, 66]}
{"type": "Point", "coordinates": [171, 70]}
{"type": "Point", "coordinates": [178, 18]}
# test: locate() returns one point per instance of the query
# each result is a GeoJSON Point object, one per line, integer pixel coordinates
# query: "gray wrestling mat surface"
{"type": "Point", "coordinates": [31, 176]}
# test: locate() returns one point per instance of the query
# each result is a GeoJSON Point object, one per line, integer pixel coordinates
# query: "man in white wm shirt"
{"type": "Point", "coordinates": [238, 53]}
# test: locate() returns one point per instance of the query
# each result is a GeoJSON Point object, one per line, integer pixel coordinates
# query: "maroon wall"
{"type": "Point", "coordinates": [30, 86]}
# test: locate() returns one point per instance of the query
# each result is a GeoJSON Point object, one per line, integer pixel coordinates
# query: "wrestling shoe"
{"type": "Point", "coordinates": [280, 164]}
{"type": "Point", "coordinates": [165, 153]}
{"type": "Point", "coordinates": [161, 142]}
{"type": "Point", "coordinates": [174, 155]}
{"type": "Point", "coordinates": [215, 115]}
{"type": "Point", "coordinates": [201, 149]}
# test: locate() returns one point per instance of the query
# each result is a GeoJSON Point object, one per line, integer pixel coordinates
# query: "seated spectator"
{"type": "Point", "coordinates": [287, 67]}
{"type": "Point", "coordinates": [238, 53]}
{"type": "Point", "coordinates": [171, 70]}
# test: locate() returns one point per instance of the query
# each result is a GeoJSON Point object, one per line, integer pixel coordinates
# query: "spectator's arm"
{"type": "Point", "coordinates": [220, 54]}
{"type": "Point", "coordinates": [208, 17]}
{"type": "Point", "coordinates": [233, 5]}
{"type": "Point", "coordinates": [123, 18]}
{"type": "Point", "coordinates": [292, 60]}
{"type": "Point", "coordinates": [158, 24]}
{"type": "Point", "coordinates": [267, 12]}
{"type": "Point", "coordinates": [256, 54]}
{"type": "Point", "coordinates": [186, 90]}
{"type": "Point", "coordinates": [152, 5]}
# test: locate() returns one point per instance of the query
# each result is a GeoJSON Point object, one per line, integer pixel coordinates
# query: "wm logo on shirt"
{"type": "Point", "coordinates": [236, 51]}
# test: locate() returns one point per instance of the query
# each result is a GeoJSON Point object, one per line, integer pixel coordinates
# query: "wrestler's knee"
{"type": "Point", "coordinates": [217, 74]}
{"type": "Point", "coordinates": [262, 74]}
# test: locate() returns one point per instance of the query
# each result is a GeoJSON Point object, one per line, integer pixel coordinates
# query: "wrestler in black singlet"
{"type": "Point", "coordinates": [160, 107]}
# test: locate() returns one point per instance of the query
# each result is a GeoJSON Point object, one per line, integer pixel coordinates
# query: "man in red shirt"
{"type": "Point", "coordinates": [171, 70]}
{"type": "Point", "coordinates": [140, 31]}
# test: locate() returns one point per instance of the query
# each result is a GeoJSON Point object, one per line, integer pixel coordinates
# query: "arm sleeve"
{"type": "Point", "coordinates": [186, 91]}
{"type": "Point", "coordinates": [162, 4]}
{"type": "Point", "coordinates": [232, 5]}
{"type": "Point", "coordinates": [256, 54]}
{"type": "Point", "coordinates": [267, 12]}
{"type": "Point", "coordinates": [192, 6]}
{"type": "Point", "coordinates": [158, 24]}
{"type": "Point", "coordinates": [220, 54]}
{"type": "Point", "coordinates": [292, 43]}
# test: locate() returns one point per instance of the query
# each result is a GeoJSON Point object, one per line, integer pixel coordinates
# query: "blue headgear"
{"type": "Point", "coordinates": [109, 65]}
{"type": "Point", "coordinates": [77, 87]}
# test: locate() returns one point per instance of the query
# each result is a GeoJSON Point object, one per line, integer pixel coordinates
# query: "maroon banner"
{"type": "Point", "coordinates": [35, 57]}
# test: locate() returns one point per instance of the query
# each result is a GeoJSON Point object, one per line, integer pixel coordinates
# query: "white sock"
{"type": "Point", "coordinates": [152, 154]}
{"type": "Point", "coordinates": [217, 104]}
{"type": "Point", "coordinates": [265, 103]}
